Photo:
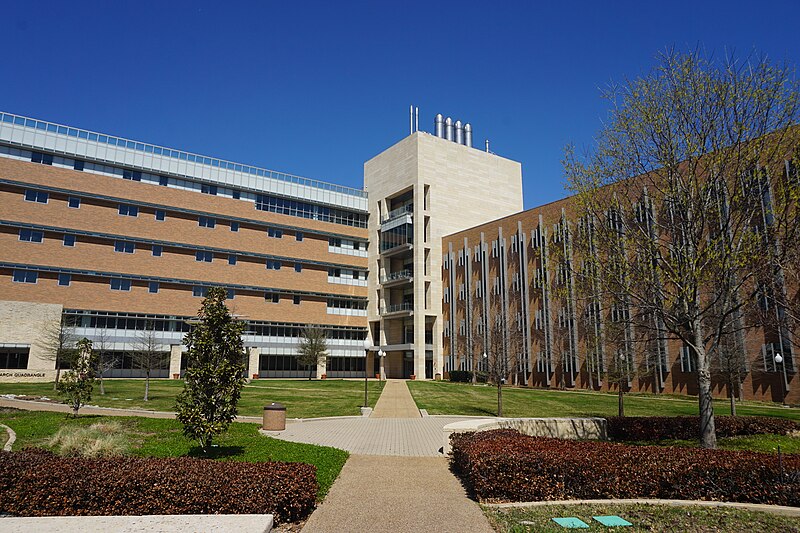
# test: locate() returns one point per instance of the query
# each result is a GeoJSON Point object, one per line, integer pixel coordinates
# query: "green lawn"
{"type": "Point", "coordinates": [643, 517]}
{"type": "Point", "coordinates": [302, 398]}
{"type": "Point", "coordinates": [445, 398]}
{"type": "Point", "coordinates": [149, 437]}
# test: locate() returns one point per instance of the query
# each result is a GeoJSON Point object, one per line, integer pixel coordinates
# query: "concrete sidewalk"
{"type": "Point", "coordinates": [390, 494]}
{"type": "Point", "coordinates": [395, 402]}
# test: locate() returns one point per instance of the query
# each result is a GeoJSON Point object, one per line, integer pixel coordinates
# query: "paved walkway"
{"type": "Point", "coordinates": [396, 402]}
{"type": "Point", "coordinates": [378, 494]}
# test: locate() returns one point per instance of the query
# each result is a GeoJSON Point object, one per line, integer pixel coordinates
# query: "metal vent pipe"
{"type": "Point", "coordinates": [459, 139]}
{"type": "Point", "coordinates": [438, 125]}
{"type": "Point", "coordinates": [468, 134]}
{"type": "Point", "coordinates": [448, 128]}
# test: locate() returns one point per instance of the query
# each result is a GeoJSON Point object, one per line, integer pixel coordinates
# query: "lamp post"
{"type": "Point", "coordinates": [778, 361]}
{"type": "Point", "coordinates": [367, 348]}
{"type": "Point", "coordinates": [381, 355]}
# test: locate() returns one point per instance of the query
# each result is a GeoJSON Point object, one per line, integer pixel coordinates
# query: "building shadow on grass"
{"type": "Point", "coordinates": [216, 452]}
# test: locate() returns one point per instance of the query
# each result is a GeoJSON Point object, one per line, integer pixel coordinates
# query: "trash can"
{"type": "Point", "coordinates": [274, 417]}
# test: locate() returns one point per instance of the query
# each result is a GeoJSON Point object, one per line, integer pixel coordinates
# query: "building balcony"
{"type": "Point", "coordinates": [406, 210]}
{"type": "Point", "coordinates": [400, 247]}
{"type": "Point", "coordinates": [401, 277]}
{"type": "Point", "coordinates": [403, 309]}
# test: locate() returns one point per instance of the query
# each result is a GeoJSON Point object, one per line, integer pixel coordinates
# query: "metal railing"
{"type": "Point", "coordinates": [394, 276]}
{"type": "Point", "coordinates": [397, 308]}
{"type": "Point", "coordinates": [400, 211]}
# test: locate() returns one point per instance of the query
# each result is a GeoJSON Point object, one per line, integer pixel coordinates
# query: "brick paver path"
{"type": "Point", "coordinates": [396, 402]}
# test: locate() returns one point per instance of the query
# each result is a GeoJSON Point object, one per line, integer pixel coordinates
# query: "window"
{"type": "Point", "coordinates": [231, 294]}
{"type": "Point", "coordinates": [69, 240]}
{"type": "Point", "coordinates": [298, 267]}
{"type": "Point", "coordinates": [273, 297]}
{"type": "Point", "coordinates": [205, 257]}
{"type": "Point", "coordinates": [356, 245]}
{"type": "Point", "coordinates": [119, 284]}
{"type": "Point", "coordinates": [132, 175]}
{"type": "Point", "coordinates": [234, 226]}
{"type": "Point", "coordinates": [125, 247]}
{"type": "Point", "coordinates": [335, 241]}
{"type": "Point", "coordinates": [74, 202]}
{"type": "Point", "coordinates": [163, 181]}
{"type": "Point", "coordinates": [157, 250]}
{"type": "Point", "coordinates": [78, 165]}
{"type": "Point", "coordinates": [152, 287]}
{"type": "Point", "coordinates": [335, 272]}
{"type": "Point", "coordinates": [199, 291]}
{"type": "Point", "coordinates": [273, 264]}
{"type": "Point", "coordinates": [161, 215]}
{"type": "Point", "coordinates": [30, 235]}
{"type": "Point", "coordinates": [296, 300]}
{"type": "Point", "coordinates": [14, 358]}
{"type": "Point", "coordinates": [206, 222]}
{"type": "Point", "coordinates": [40, 197]}
{"type": "Point", "coordinates": [128, 210]}
{"type": "Point", "coordinates": [64, 280]}
{"type": "Point", "coordinates": [44, 159]}
{"type": "Point", "coordinates": [25, 276]}
{"type": "Point", "coordinates": [237, 194]}
{"type": "Point", "coordinates": [208, 189]}
{"type": "Point", "coordinates": [275, 233]}
{"type": "Point", "coordinates": [231, 259]}
{"type": "Point", "coordinates": [298, 236]}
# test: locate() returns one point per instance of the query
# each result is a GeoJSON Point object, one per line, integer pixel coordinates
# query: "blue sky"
{"type": "Point", "coordinates": [317, 88]}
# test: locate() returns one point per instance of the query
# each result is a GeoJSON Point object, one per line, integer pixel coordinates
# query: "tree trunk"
{"type": "Point", "coordinates": [58, 373]}
{"type": "Point", "coordinates": [620, 400]}
{"type": "Point", "coordinates": [499, 398]}
{"type": "Point", "coordinates": [732, 394]}
{"type": "Point", "coordinates": [102, 386]}
{"type": "Point", "coordinates": [708, 433]}
{"type": "Point", "coordinates": [147, 386]}
{"type": "Point", "coordinates": [310, 371]}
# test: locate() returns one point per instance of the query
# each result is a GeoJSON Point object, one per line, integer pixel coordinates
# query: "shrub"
{"type": "Point", "coordinates": [465, 376]}
{"type": "Point", "coordinates": [655, 428]}
{"type": "Point", "coordinates": [39, 483]}
{"type": "Point", "coordinates": [102, 439]}
{"type": "Point", "coordinates": [504, 465]}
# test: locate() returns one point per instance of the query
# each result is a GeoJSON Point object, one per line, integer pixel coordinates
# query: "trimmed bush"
{"type": "Point", "coordinates": [504, 465]}
{"type": "Point", "coordinates": [465, 376]}
{"type": "Point", "coordinates": [39, 483]}
{"type": "Point", "coordinates": [656, 428]}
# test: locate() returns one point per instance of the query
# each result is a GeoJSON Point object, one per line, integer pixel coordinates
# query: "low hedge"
{"type": "Point", "coordinates": [504, 465]}
{"type": "Point", "coordinates": [40, 483]}
{"type": "Point", "coordinates": [465, 376]}
{"type": "Point", "coordinates": [656, 428]}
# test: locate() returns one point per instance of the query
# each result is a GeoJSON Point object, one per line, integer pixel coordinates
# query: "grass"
{"type": "Point", "coordinates": [643, 517]}
{"type": "Point", "coordinates": [150, 437]}
{"type": "Point", "coordinates": [751, 443]}
{"type": "Point", "coordinates": [302, 398]}
{"type": "Point", "coordinates": [444, 398]}
{"type": "Point", "coordinates": [101, 439]}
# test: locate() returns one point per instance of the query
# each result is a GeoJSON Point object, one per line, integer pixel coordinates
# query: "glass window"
{"type": "Point", "coordinates": [203, 256]}
{"type": "Point", "coordinates": [69, 240]}
{"type": "Point", "coordinates": [25, 276]}
{"type": "Point", "coordinates": [126, 247]}
{"type": "Point", "coordinates": [163, 181]}
{"type": "Point", "coordinates": [74, 202]}
{"type": "Point", "coordinates": [40, 197]}
{"type": "Point", "coordinates": [208, 189]}
{"type": "Point", "coordinates": [273, 297]}
{"type": "Point", "coordinates": [161, 214]}
{"type": "Point", "coordinates": [206, 222]}
{"type": "Point", "coordinates": [119, 284]}
{"type": "Point", "coordinates": [64, 280]}
{"type": "Point", "coordinates": [78, 165]}
{"type": "Point", "coordinates": [199, 291]}
{"type": "Point", "coordinates": [153, 287]}
{"type": "Point", "coordinates": [30, 235]}
{"type": "Point", "coordinates": [298, 236]}
{"type": "Point", "coordinates": [129, 210]}
{"type": "Point", "coordinates": [296, 299]}
{"type": "Point", "coordinates": [231, 259]}
{"type": "Point", "coordinates": [157, 250]}
{"type": "Point", "coordinates": [44, 159]}
{"type": "Point", "coordinates": [132, 175]}
{"type": "Point", "coordinates": [298, 267]}
{"type": "Point", "coordinates": [237, 194]}
{"type": "Point", "coordinates": [272, 264]}
{"type": "Point", "coordinates": [231, 294]}
{"type": "Point", "coordinates": [234, 226]}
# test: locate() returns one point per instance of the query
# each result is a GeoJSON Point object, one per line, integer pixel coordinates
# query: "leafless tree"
{"type": "Point", "coordinates": [106, 358]}
{"type": "Point", "coordinates": [148, 354]}
{"type": "Point", "coordinates": [58, 341]}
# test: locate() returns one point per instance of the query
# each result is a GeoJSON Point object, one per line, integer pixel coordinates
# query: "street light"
{"type": "Point", "coordinates": [367, 348]}
{"type": "Point", "coordinates": [381, 355]}
{"type": "Point", "coordinates": [778, 361]}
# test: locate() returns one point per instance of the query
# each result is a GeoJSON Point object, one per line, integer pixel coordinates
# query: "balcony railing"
{"type": "Point", "coordinates": [397, 308]}
{"type": "Point", "coordinates": [389, 241]}
{"type": "Point", "coordinates": [400, 211]}
{"type": "Point", "coordinates": [394, 276]}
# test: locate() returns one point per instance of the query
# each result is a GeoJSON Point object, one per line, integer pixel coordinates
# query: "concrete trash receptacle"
{"type": "Point", "coordinates": [274, 417]}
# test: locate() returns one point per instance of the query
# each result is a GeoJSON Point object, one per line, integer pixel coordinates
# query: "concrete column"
{"type": "Point", "coordinates": [322, 368]}
{"type": "Point", "coordinates": [253, 360]}
{"type": "Point", "coordinates": [174, 359]}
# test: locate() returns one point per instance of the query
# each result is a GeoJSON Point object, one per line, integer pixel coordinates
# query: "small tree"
{"type": "Point", "coordinates": [214, 375]}
{"type": "Point", "coordinates": [148, 354]}
{"type": "Point", "coordinates": [77, 383]}
{"type": "Point", "coordinates": [313, 348]}
{"type": "Point", "coordinates": [58, 343]}
{"type": "Point", "coordinates": [106, 359]}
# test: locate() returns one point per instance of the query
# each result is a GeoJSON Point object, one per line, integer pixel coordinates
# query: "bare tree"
{"type": "Point", "coordinates": [58, 341]}
{"type": "Point", "coordinates": [313, 348]}
{"type": "Point", "coordinates": [673, 179]}
{"type": "Point", "coordinates": [148, 354]}
{"type": "Point", "coordinates": [105, 358]}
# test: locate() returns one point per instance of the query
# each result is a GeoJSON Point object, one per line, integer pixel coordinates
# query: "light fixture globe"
{"type": "Point", "coordinates": [778, 358]}
{"type": "Point", "coordinates": [367, 343]}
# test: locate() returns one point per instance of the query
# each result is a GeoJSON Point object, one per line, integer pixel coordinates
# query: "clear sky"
{"type": "Point", "coordinates": [317, 88]}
